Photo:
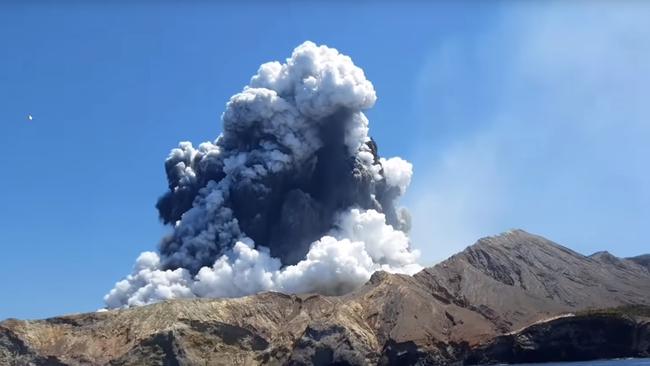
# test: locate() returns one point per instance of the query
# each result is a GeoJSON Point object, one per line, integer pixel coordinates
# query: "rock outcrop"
{"type": "Point", "coordinates": [458, 311]}
{"type": "Point", "coordinates": [592, 335]}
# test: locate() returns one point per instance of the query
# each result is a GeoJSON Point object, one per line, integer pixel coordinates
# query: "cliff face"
{"type": "Point", "coordinates": [571, 338]}
{"type": "Point", "coordinates": [499, 285]}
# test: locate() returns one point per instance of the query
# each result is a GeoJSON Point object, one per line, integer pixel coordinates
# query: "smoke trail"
{"type": "Point", "coordinates": [291, 197]}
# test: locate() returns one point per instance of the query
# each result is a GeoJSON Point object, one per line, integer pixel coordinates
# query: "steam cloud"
{"type": "Point", "coordinates": [291, 197]}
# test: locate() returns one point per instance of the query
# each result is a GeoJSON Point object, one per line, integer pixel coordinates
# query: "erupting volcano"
{"type": "Point", "coordinates": [291, 197]}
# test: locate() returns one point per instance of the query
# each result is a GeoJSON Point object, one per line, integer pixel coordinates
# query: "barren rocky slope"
{"type": "Point", "coordinates": [499, 285]}
{"type": "Point", "coordinates": [643, 260]}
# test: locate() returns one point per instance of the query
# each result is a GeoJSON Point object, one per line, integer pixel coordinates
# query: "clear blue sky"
{"type": "Point", "coordinates": [532, 116]}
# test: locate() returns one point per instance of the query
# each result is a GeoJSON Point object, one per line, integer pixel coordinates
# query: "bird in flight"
{"type": "Point", "coordinates": [29, 117]}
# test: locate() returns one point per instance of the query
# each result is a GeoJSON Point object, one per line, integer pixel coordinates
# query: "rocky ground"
{"type": "Point", "coordinates": [489, 303]}
{"type": "Point", "coordinates": [615, 333]}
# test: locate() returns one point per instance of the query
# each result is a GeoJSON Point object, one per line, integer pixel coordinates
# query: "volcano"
{"type": "Point", "coordinates": [513, 297]}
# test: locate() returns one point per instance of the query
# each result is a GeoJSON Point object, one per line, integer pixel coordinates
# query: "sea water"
{"type": "Point", "coordinates": [626, 362]}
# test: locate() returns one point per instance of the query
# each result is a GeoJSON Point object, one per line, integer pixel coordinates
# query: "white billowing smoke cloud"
{"type": "Point", "coordinates": [291, 197]}
{"type": "Point", "coordinates": [397, 172]}
{"type": "Point", "coordinates": [334, 264]}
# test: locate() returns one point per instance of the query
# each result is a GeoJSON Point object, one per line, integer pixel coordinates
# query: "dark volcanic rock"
{"type": "Point", "coordinates": [443, 314]}
{"type": "Point", "coordinates": [330, 344]}
{"type": "Point", "coordinates": [159, 349]}
{"type": "Point", "coordinates": [571, 338]}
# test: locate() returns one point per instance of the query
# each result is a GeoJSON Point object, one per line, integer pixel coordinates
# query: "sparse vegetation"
{"type": "Point", "coordinates": [625, 310]}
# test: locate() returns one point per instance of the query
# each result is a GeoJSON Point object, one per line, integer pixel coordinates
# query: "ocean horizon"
{"type": "Point", "coordinates": [615, 362]}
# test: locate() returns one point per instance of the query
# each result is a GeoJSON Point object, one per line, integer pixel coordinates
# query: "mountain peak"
{"type": "Point", "coordinates": [512, 233]}
{"type": "Point", "coordinates": [604, 256]}
{"type": "Point", "coordinates": [518, 241]}
{"type": "Point", "coordinates": [518, 269]}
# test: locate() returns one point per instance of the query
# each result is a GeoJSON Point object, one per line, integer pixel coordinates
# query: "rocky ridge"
{"type": "Point", "coordinates": [444, 314]}
{"type": "Point", "coordinates": [643, 260]}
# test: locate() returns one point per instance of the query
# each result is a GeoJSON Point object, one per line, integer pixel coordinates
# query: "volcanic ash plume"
{"type": "Point", "coordinates": [291, 197]}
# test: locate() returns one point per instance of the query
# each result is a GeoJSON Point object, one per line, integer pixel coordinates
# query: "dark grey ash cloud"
{"type": "Point", "coordinates": [293, 163]}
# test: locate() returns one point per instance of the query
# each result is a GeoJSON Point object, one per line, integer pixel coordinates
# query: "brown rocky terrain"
{"type": "Point", "coordinates": [448, 313]}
